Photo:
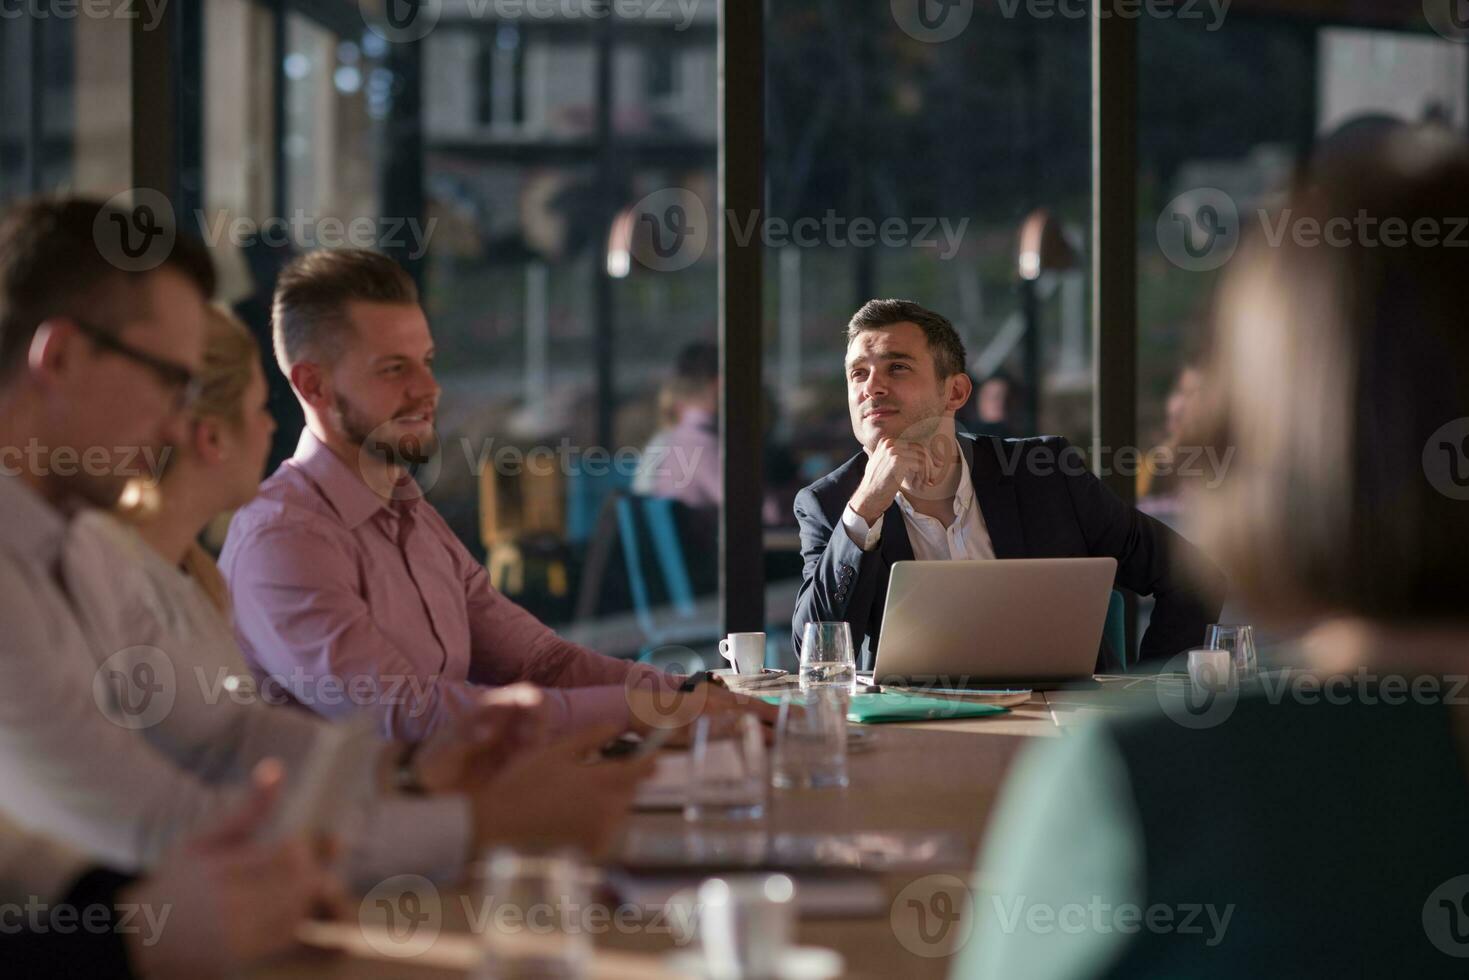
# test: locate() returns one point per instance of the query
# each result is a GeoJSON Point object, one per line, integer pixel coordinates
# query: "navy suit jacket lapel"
{"type": "Point", "coordinates": [995, 494]}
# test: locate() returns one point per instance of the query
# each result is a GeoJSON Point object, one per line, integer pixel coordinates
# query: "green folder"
{"type": "Point", "coordinates": [874, 709]}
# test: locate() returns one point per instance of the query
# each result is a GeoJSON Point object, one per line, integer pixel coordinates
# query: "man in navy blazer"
{"type": "Point", "coordinates": [919, 490]}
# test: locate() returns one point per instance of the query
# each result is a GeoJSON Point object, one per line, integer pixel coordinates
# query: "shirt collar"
{"type": "Point", "coordinates": [32, 528]}
{"type": "Point", "coordinates": [963, 496]}
{"type": "Point", "coordinates": [350, 496]}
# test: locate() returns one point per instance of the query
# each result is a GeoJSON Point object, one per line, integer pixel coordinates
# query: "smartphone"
{"type": "Point", "coordinates": [632, 746]}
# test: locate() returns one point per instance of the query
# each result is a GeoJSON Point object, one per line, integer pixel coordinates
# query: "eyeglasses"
{"type": "Point", "coordinates": [173, 376]}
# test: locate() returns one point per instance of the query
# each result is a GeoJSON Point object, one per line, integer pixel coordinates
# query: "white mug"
{"type": "Point", "coordinates": [745, 925]}
{"type": "Point", "coordinates": [745, 650]}
{"type": "Point", "coordinates": [1211, 670]}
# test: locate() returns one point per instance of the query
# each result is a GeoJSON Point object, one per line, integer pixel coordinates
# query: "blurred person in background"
{"type": "Point", "coordinates": [1309, 835]}
{"type": "Point", "coordinates": [1160, 479]}
{"type": "Point", "coordinates": [681, 461]}
{"type": "Point", "coordinates": [994, 403]}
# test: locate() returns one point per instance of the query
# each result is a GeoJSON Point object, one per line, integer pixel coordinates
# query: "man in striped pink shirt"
{"type": "Point", "coordinates": [350, 591]}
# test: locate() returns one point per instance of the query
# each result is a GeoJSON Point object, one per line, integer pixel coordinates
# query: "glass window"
{"type": "Point", "coordinates": [239, 134]}
{"type": "Point", "coordinates": [1214, 155]}
{"type": "Point", "coordinates": [337, 95]}
{"type": "Point", "coordinates": [905, 162]}
{"type": "Point", "coordinates": [320, 184]}
{"type": "Point", "coordinates": [64, 91]}
{"type": "Point", "coordinates": [559, 330]}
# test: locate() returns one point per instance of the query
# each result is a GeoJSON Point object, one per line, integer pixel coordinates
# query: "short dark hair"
{"type": "Point", "coordinates": [309, 313]}
{"type": "Point", "coordinates": [51, 265]}
{"type": "Point", "coordinates": [697, 363]}
{"type": "Point", "coordinates": [949, 355]}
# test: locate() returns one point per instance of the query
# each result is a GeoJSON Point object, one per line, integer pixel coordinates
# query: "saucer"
{"type": "Point", "coordinates": [796, 963]}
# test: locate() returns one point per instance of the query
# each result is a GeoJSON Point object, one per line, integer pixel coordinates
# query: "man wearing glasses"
{"type": "Point", "coordinates": [96, 365]}
{"type": "Point", "coordinates": [123, 461]}
{"type": "Point", "coordinates": [181, 380]}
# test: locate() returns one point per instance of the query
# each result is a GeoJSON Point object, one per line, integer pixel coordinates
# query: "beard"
{"type": "Point", "coordinates": [379, 439]}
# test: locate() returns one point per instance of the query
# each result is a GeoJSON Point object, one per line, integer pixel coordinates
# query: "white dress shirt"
{"type": "Point", "coordinates": [90, 619]}
{"type": "Point", "coordinates": [965, 538]}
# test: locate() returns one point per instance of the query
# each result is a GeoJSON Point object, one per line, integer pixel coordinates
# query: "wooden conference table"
{"type": "Point", "coordinates": [933, 776]}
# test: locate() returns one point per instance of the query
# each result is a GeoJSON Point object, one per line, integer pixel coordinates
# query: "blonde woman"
{"type": "Point", "coordinates": [219, 468]}
{"type": "Point", "coordinates": [1314, 826]}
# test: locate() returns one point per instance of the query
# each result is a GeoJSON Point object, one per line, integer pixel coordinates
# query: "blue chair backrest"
{"type": "Point", "coordinates": [585, 495]}
{"type": "Point", "coordinates": [655, 516]}
{"type": "Point", "coordinates": [1114, 633]}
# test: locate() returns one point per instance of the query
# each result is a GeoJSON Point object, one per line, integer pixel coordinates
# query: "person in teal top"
{"type": "Point", "coordinates": [1315, 823]}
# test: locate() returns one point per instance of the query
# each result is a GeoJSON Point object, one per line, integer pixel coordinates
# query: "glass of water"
{"type": "Point", "coordinates": [534, 930]}
{"type": "Point", "coordinates": [727, 769]}
{"type": "Point", "coordinates": [1240, 642]}
{"type": "Point", "coordinates": [826, 657]}
{"type": "Point", "coordinates": [811, 740]}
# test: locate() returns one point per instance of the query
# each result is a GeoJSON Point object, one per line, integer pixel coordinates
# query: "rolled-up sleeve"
{"type": "Point", "coordinates": [508, 644]}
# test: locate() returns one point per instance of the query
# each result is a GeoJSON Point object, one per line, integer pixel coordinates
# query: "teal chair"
{"type": "Point", "coordinates": [1114, 632]}
{"type": "Point", "coordinates": [657, 570]}
{"type": "Point", "coordinates": [585, 497]}
{"type": "Point", "coordinates": [664, 591]}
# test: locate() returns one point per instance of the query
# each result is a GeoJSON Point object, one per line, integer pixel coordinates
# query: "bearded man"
{"type": "Point", "coordinates": [350, 591]}
{"type": "Point", "coordinates": [920, 491]}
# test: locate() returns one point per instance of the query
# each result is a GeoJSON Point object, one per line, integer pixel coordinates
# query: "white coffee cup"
{"type": "Point", "coordinates": [745, 925]}
{"type": "Point", "coordinates": [745, 650]}
{"type": "Point", "coordinates": [1211, 670]}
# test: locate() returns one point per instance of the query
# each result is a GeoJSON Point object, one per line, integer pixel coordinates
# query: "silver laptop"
{"type": "Point", "coordinates": [1027, 622]}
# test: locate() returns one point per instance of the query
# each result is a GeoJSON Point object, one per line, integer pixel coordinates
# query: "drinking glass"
{"type": "Point", "coordinates": [533, 930]}
{"type": "Point", "coordinates": [811, 740]}
{"type": "Point", "coordinates": [826, 657]}
{"type": "Point", "coordinates": [727, 769]}
{"type": "Point", "coordinates": [1240, 642]}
